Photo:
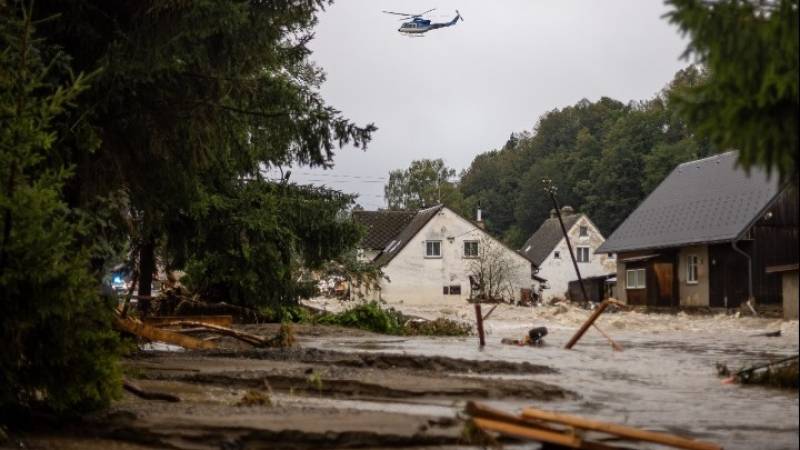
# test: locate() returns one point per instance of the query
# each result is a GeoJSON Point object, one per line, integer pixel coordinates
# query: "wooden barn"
{"type": "Point", "coordinates": [705, 236]}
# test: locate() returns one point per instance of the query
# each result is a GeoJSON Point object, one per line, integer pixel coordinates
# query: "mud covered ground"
{"type": "Point", "coordinates": [244, 398]}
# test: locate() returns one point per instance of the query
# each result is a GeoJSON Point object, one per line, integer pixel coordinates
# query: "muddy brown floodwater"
{"type": "Point", "coordinates": [352, 389]}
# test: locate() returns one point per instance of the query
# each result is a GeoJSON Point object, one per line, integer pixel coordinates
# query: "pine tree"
{"type": "Point", "coordinates": [750, 100]}
{"type": "Point", "coordinates": [57, 344]}
{"type": "Point", "coordinates": [192, 97]}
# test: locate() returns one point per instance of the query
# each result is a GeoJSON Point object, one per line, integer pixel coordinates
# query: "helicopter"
{"type": "Point", "coordinates": [418, 25]}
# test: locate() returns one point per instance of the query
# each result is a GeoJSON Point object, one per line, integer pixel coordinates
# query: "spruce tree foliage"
{"type": "Point", "coordinates": [604, 156]}
{"type": "Point", "coordinates": [57, 344]}
{"type": "Point", "coordinates": [193, 97]}
{"type": "Point", "coordinates": [425, 183]}
{"type": "Point", "coordinates": [248, 245]}
{"type": "Point", "coordinates": [750, 99]}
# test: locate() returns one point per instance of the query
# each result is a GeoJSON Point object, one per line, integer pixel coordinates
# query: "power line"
{"type": "Point", "coordinates": [340, 175]}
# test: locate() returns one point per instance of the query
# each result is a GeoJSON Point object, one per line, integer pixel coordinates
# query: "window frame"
{"type": "Point", "coordinates": [477, 249]}
{"type": "Point", "coordinates": [588, 254]}
{"type": "Point", "coordinates": [640, 276]}
{"type": "Point", "coordinates": [581, 229]}
{"type": "Point", "coordinates": [692, 269]}
{"type": "Point", "coordinates": [432, 256]}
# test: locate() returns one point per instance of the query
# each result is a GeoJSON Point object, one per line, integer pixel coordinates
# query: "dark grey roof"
{"type": "Point", "coordinates": [703, 201]}
{"type": "Point", "coordinates": [399, 242]}
{"type": "Point", "coordinates": [382, 226]}
{"type": "Point", "coordinates": [545, 239]}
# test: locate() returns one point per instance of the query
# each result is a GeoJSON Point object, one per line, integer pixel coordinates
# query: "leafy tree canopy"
{"type": "Point", "coordinates": [426, 182]}
{"type": "Point", "coordinates": [604, 156]}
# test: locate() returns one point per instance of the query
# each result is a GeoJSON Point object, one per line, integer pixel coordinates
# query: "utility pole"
{"type": "Point", "coordinates": [551, 190]}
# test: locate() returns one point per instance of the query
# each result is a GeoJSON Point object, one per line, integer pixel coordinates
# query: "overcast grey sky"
{"type": "Point", "coordinates": [460, 91]}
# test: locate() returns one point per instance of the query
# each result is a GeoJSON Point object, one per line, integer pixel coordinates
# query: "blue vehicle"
{"type": "Point", "coordinates": [417, 24]}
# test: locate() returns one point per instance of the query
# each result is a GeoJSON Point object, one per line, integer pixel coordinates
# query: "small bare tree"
{"type": "Point", "coordinates": [492, 270]}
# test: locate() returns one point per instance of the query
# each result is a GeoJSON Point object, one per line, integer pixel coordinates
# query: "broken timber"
{"type": "Point", "coordinates": [570, 431]}
{"type": "Point", "coordinates": [621, 431]}
{"type": "Point", "coordinates": [590, 322]}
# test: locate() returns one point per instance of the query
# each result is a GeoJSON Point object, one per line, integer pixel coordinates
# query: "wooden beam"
{"type": "Point", "coordinates": [590, 322]}
{"type": "Point", "coordinates": [619, 430]}
{"type": "Point", "coordinates": [526, 432]}
{"type": "Point", "coordinates": [479, 320]}
{"type": "Point", "coordinates": [481, 411]}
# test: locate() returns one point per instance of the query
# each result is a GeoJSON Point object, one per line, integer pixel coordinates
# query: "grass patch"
{"type": "Point", "coordinates": [375, 317]}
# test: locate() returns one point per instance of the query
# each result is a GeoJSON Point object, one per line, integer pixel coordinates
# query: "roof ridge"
{"type": "Point", "coordinates": [716, 156]}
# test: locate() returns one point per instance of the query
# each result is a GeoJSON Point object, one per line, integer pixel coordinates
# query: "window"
{"type": "Point", "coordinates": [635, 279]}
{"type": "Point", "coordinates": [584, 231]}
{"type": "Point", "coordinates": [583, 254]}
{"type": "Point", "coordinates": [612, 256]}
{"type": "Point", "coordinates": [470, 249]}
{"type": "Point", "coordinates": [556, 255]}
{"type": "Point", "coordinates": [433, 249]}
{"type": "Point", "coordinates": [454, 289]}
{"type": "Point", "coordinates": [692, 261]}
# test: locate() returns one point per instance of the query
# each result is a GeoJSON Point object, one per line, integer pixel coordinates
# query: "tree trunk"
{"type": "Point", "coordinates": [147, 265]}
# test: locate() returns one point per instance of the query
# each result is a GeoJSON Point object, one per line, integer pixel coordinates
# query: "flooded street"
{"type": "Point", "coordinates": [348, 388]}
{"type": "Point", "coordinates": [664, 379]}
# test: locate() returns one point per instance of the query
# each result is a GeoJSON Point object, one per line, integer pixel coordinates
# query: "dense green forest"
{"type": "Point", "coordinates": [603, 156]}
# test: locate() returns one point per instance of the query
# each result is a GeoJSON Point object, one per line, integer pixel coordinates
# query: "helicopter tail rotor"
{"type": "Point", "coordinates": [458, 14]}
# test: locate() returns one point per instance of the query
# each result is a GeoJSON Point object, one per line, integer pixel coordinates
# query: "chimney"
{"type": "Point", "coordinates": [479, 218]}
{"type": "Point", "coordinates": [567, 210]}
{"type": "Point", "coordinates": [552, 213]}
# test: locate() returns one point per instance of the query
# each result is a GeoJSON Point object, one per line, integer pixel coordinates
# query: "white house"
{"type": "Point", "coordinates": [548, 250]}
{"type": "Point", "coordinates": [434, 256]}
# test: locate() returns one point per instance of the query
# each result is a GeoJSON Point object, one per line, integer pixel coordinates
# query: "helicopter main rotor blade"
{"type": "Point", "coordinates": [426, 12]}
{"type": "Point", "coordinates": [399, 13]}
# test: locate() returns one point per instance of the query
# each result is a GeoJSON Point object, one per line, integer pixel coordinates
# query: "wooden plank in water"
{"type": "Point", "coordinates": [622, 431]}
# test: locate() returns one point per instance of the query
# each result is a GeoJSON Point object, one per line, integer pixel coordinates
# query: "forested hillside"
{"type": "Point", "coordinates": [604, 156]}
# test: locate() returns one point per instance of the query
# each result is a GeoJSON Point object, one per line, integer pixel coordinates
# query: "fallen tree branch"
{"type": "Point", "coordinates": [251, 339]}
{"type": "Point", "coordinates": [152, 333]}
{"type": "Point", "coordinates": [165, 321]}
